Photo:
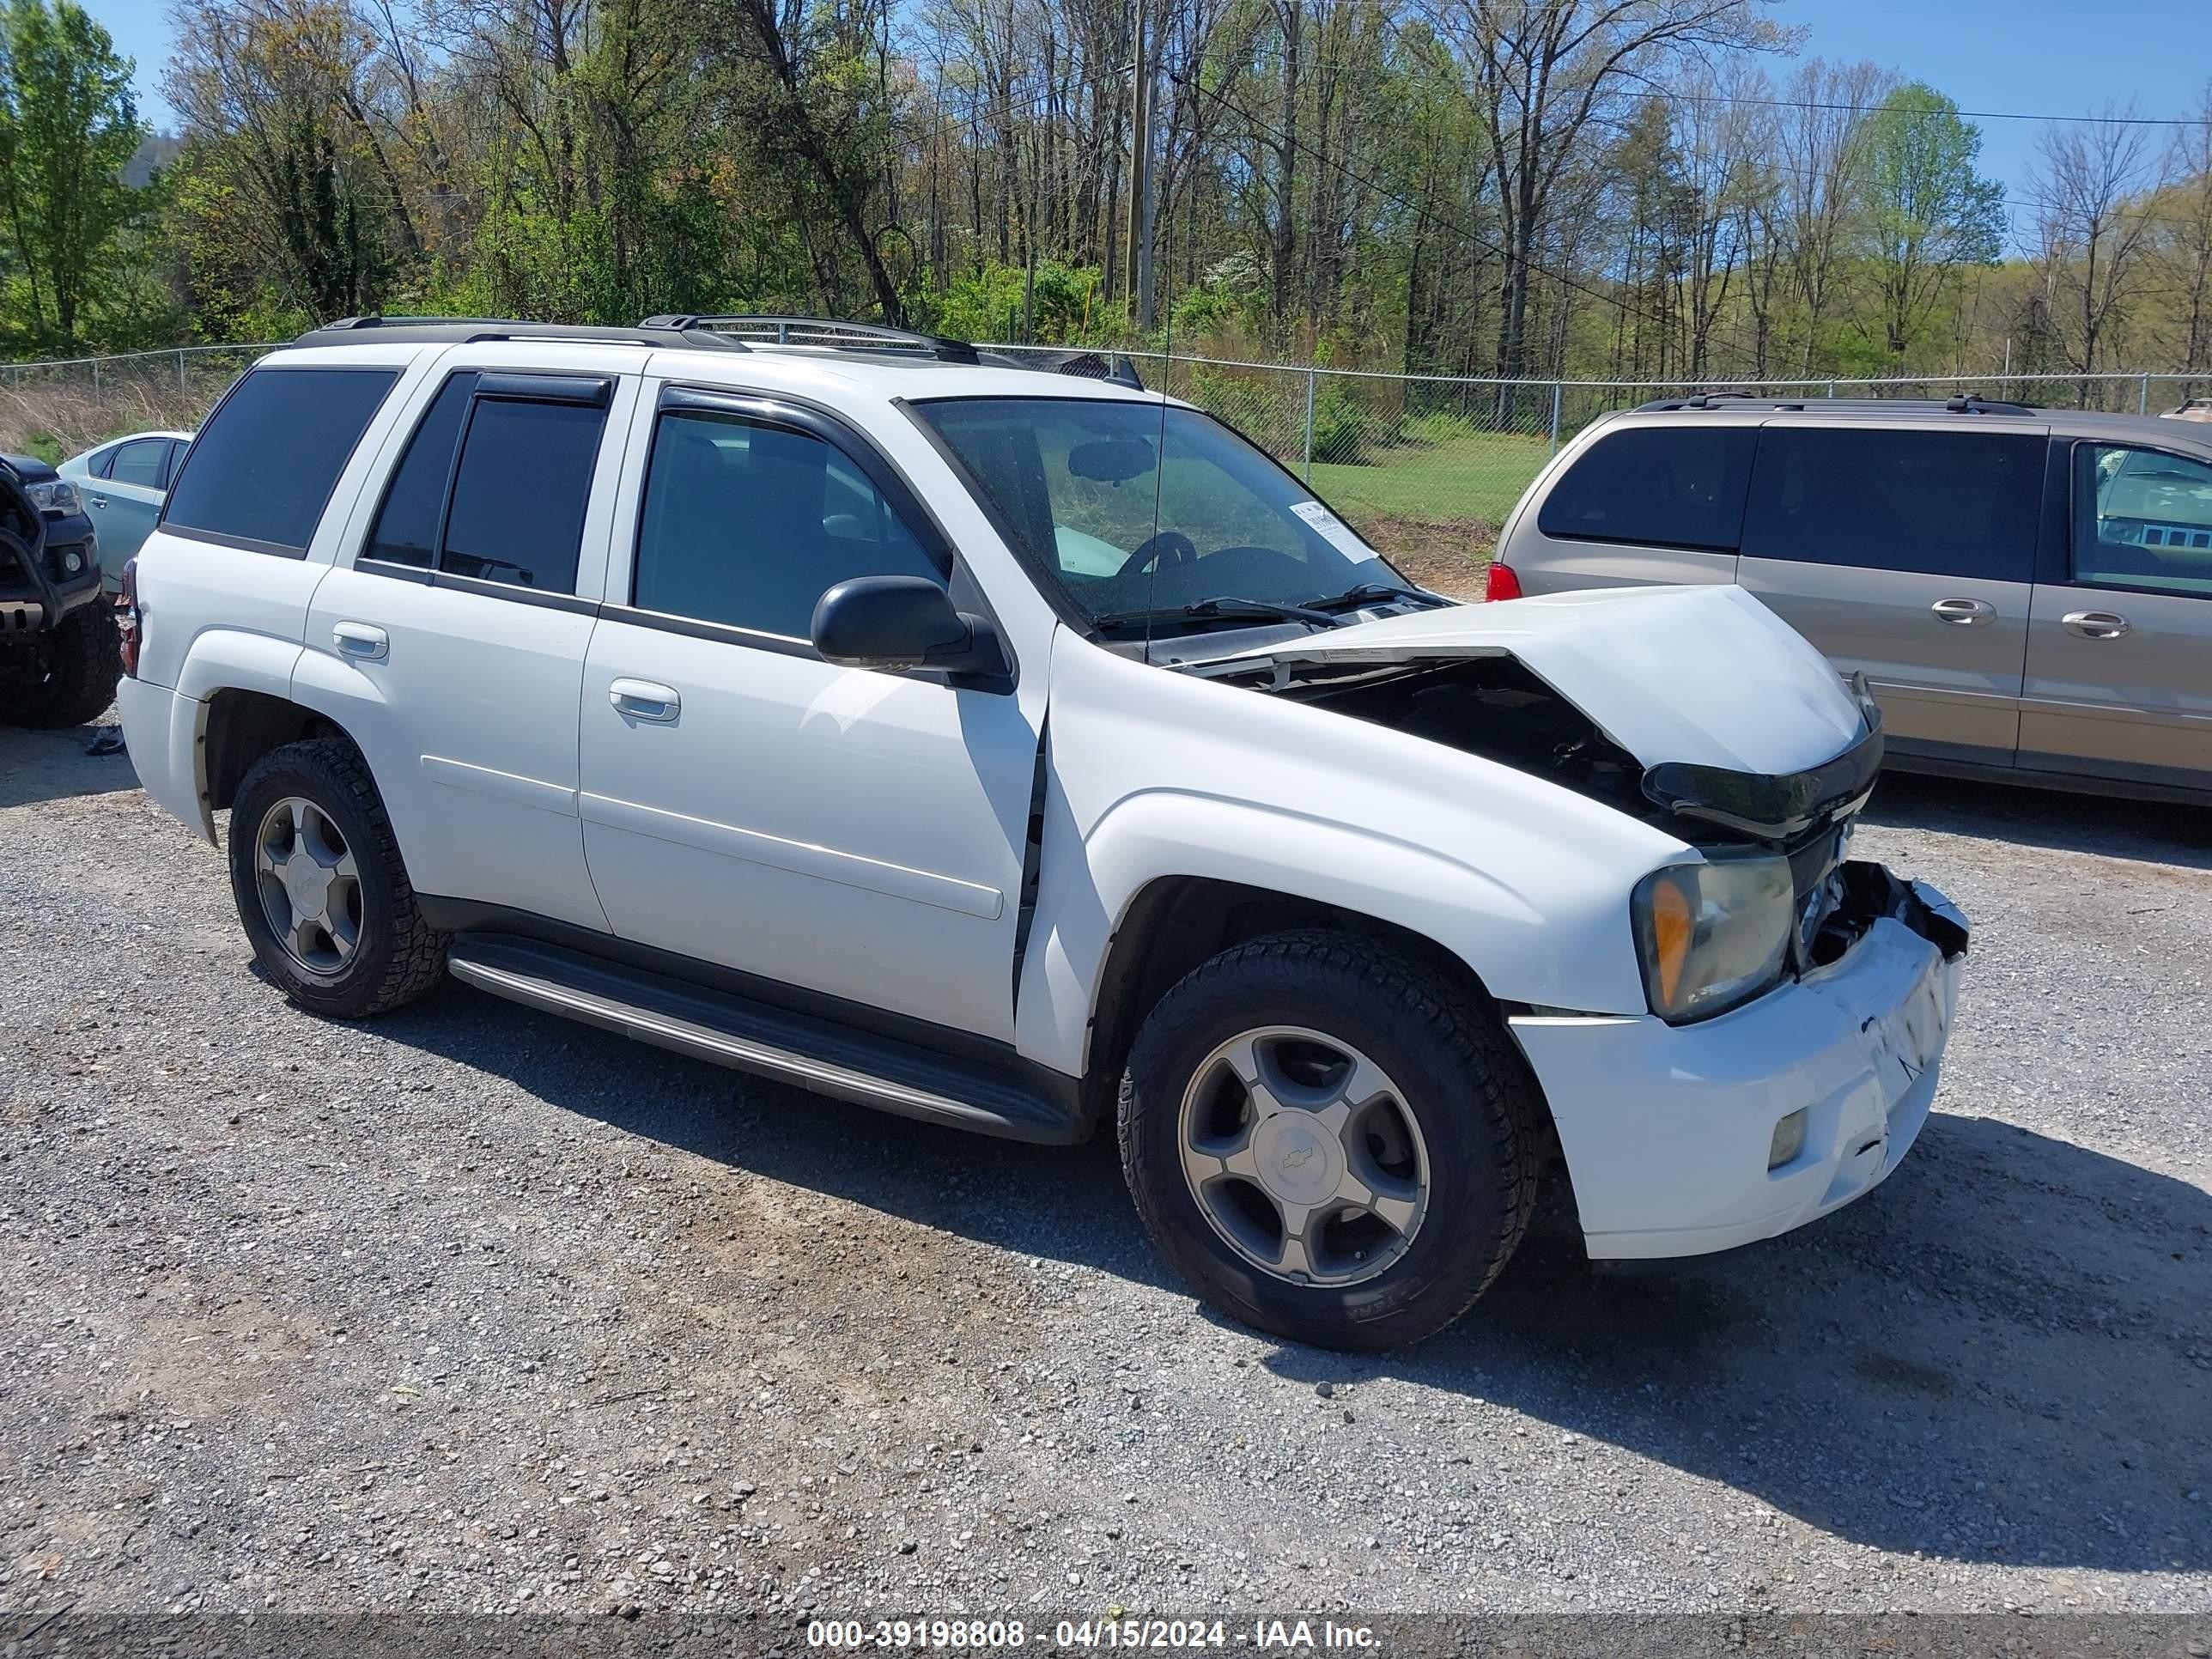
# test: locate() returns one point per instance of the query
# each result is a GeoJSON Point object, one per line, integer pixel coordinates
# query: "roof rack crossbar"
{"type": "Point", "coordinates": [1971, 403]}
{"type": "Point", "coordinates": [820, 332]}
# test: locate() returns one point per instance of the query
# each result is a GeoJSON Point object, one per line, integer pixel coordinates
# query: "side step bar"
{"type": "Point", "coordinates": [755, 1036]}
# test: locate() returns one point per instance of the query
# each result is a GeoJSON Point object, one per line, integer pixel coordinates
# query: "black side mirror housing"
{"type": "Point", "coordinates": [898, 622]}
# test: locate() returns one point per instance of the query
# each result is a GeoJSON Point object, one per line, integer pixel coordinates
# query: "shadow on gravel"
{"type": "Point", "coordinates": [2156, 830]}
{"type": "Point", "coordinates": [41, 766]}
{"type": "Point", "coordinates": [2004, 1354]}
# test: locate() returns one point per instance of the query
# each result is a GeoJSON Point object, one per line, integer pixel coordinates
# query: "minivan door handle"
{"type": "Point", "coordinates": [1963, 613]}
{"type": "Point", "coordinates": [2095, 624]}
{"type": "Point", "coordinates": [362, 642]}
{"type": "Point", "coordinates": [644, 700]}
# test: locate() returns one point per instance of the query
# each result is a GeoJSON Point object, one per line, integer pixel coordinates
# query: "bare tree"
{"type": "Point", "coordinates": [2092, 223]}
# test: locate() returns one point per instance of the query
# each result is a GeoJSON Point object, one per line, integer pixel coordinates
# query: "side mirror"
{"type": "Point", "coordinates": [898, 622]}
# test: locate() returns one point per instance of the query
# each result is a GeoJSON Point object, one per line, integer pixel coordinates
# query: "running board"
{"type": "Point", "coordinates": [754, 1036]}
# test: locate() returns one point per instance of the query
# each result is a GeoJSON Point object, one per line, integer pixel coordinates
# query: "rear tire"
{"type": "Point", "coordinates": [68, 675]}
{"type": "Point", "coordinates": [1370, 1072]}
{"type": "Point", "coordinates": [320, 888]}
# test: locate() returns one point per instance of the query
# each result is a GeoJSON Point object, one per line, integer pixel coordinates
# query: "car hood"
{"type": "Point", "coordinates": [1702, 676]}
{"type": "Point", "coordinates": [31, 469]}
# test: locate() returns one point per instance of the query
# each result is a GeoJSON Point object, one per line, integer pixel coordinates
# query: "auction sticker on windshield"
{"type": "Point", "coordinates": [1339, 534]}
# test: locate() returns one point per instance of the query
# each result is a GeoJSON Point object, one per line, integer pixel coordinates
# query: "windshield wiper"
{"type": "Point", "coordinates": [1375, 593]}
{"type": "Point", "coordinates": [1220, 610]}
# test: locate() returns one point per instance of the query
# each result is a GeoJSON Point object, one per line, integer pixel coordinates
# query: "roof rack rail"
{"type": "Point", "coordinates": [462, 330]}
{"type": "Point", "coordinates": [771, 328]}
{"type": "Point", "coordinates": [1971, 403]}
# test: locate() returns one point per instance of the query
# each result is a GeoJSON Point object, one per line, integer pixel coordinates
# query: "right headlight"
{"type": "Point", "coordinates": [1712, 935]}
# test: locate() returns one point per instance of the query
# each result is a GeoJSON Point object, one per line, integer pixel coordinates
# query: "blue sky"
{"type": "Point", "coordinates": [2042, 57]}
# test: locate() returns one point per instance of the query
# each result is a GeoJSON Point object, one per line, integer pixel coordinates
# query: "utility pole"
{"type": "Point", "coordinates": [1140, 170]}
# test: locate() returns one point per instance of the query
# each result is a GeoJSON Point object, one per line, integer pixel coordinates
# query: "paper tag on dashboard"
{"type": "Point", "coordinates": [1332, 529]}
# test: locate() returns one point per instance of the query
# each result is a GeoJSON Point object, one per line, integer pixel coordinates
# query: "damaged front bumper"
{"type": "Point", "coordinates": [1668, 1130]}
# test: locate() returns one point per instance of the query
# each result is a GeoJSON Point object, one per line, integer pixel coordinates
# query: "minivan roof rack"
{"type": "Point", "coordinates": [1971, 402]}
{"type": "Point", "coordinates": [465, 330]}
{"type": "Point", "coordinates": [769, 328]}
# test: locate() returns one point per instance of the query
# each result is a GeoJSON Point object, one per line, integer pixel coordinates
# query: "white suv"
{"type": "Point", "coordinates": [1017, 749]}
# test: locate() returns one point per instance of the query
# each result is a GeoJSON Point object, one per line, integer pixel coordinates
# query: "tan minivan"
{"type": "Point", "coordinates": [2028, 591]}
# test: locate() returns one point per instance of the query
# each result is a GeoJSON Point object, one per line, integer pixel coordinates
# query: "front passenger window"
{"type": "Point", "coordinates": [2142, 518]}
{"type": "Point", "coordinates": [749, 523]}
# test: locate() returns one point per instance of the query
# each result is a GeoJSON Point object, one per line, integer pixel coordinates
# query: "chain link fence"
{"type": "Point", "coordinates": [1426, 466]}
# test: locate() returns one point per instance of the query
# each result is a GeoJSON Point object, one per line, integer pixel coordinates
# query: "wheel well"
{"type": "Point", "coordinates": [244, 726]}
{"type": "Point", "coordinates": [1178, 921]}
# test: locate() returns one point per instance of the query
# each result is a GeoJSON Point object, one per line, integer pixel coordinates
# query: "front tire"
{"type": "Point", "coordinates": [320, 888]}
{"type": "Point", "coordinates": [1329, 1140]}
{"type": "Point", "coordinates": [68, 675]}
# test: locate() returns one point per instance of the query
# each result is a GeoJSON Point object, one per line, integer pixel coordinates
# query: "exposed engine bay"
{"type": "Point", "coordinates": [1493, 705]}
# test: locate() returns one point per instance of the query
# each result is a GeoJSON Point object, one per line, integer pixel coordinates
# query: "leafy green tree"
{"type": "Point", "coordinates": [1929, 212]}
{"type": "Point", "coordinates": [69, 124]}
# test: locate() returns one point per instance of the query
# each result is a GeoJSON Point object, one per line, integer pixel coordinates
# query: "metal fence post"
{"type": "Point", "coordinates": [96, 377]}
{"type": "Point", "coordinates": [2142, 402]}
{"type": "Point", "coordinates": [1832, 388]}
{"type": "Point", "coordinates": [1555, 417]}
{"type": "Point", "coordinates": [183, 390]}
{"type": "Point", "coordinates": [1309, 409]}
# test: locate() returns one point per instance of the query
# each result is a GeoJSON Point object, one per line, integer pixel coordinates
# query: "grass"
{"type": "Point", "coordinates": [1435, 507]}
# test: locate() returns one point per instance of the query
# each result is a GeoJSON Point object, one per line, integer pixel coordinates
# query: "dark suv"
{"type": "Point", "coordinates": [60, 654]}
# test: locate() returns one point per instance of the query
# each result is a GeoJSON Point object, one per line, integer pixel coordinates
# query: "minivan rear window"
{"type": "Point", "coordinates": [1936, 503]}
{"type": "Point", "coordinates": [1661, 486]}
{"type": "Point", "coordinates": [265, 464]}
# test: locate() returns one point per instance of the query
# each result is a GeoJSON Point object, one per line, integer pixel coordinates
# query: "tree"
{"type": "Point", "coordinates": [1543, 71]}
{"type": "Point", "coordinates": [2092, 187]}
{"type": "Point", "coordinates": [69, 125]}
{"type": "Point", "coordinates": [1929, 212]}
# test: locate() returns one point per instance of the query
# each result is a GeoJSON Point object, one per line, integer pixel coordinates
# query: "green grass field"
{"type": "Point", "coordinates": [1472, 479]}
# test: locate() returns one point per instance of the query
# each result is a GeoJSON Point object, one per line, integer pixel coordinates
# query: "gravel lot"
{"type": "Point", "coordinates": [472, 1309]}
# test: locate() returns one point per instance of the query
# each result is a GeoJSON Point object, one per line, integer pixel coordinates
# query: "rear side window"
{"type": "Point", "coordinates": [518, 497]}
{"type": "Point", "coordinates": [1938, 503]}
{"type": "Point", "coordinates": [749, 525]}
{"type": "Point", "coordinates": [265, 463]}
{"type": "Point", "coordinates": [142, 461]}
{"type": "Point", "coordinates": [1662, 486]}
{"type": "Point", "coordinates": [406, 529]}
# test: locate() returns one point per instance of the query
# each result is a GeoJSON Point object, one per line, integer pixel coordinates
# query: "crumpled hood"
{"type": "Point", "coordinates": [1701, 676]}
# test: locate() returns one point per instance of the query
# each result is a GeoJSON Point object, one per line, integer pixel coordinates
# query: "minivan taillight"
{"type": "Point", "coordinates": [1503, 584]}
{"type": "Point", "coordinates": [127, 621]}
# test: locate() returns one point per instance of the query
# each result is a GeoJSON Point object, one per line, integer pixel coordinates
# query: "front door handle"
{"type": "Point", "coordinates": [362, 642]}
{"type": "Point", "coordinates": [644, 700]}
{"type": "Point", "coordinates": [100, 500]}
{"type": "Point", "coordinates": [2095, 624]}
{"type": "Point", "coordinates": [1963, 613]}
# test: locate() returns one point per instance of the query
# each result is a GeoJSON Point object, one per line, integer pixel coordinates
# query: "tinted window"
{"type": "Point", "coordinates": [749, 525]}
{"type": "Point", "coordinates": [406, 528]}
{"type": "Point", "coordinates": [141, 462]}
{"type": "Point", "coordinates": [265, 463]}
{"type": "Point", "coordinates": [517, 511]}
{"type": "Point", "coordinates": [1940, 503]}
{"type": "Point", "coordinates": [102, 461]}
{"type": "Point", "coordinates": [1666, 486]}
{"type": "Point", "coordinates": [2141, 519]}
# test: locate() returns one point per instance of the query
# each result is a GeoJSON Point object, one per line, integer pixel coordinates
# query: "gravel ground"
{"type": "Point", "coordinates": [468, 1307]}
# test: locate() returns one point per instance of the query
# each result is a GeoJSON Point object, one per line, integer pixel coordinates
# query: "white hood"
{"type": "Point", "coordinates": [1702, 676]}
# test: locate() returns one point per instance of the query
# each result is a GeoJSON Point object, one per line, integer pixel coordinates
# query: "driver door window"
{"type": "Point", "coordinates": [747, 523]}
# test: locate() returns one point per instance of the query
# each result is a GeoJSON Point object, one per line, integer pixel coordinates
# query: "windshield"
{"type": "Point", "coordinates": [1077, 481]}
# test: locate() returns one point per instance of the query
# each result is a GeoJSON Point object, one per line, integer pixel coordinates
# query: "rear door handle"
{"type": "Point", "coordinates": [362, 642]}
{"type": "Point", "coordinates": [1963, 613]}
{"type": "Point", "coordinates": [2095, 624]}
{"type": "Point", "coordinates": [644, 700]}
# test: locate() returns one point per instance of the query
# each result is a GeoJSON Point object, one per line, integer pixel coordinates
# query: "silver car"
{"type": "Point", "coordinates": [124, 484]}
{"type": "Point", "coordinates": [2028, 591]}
